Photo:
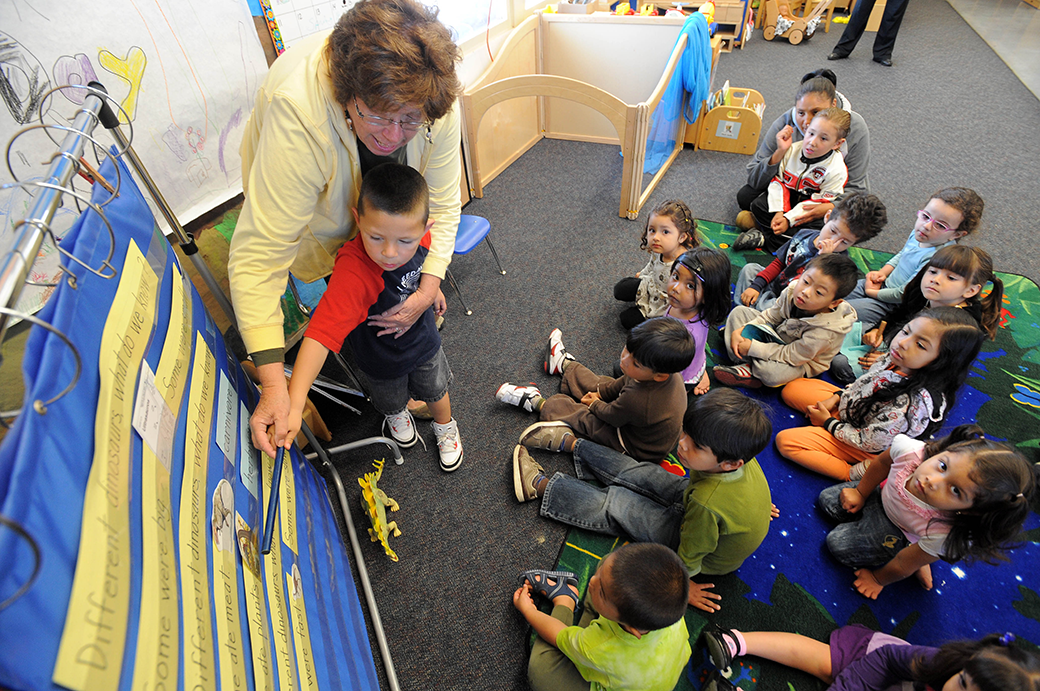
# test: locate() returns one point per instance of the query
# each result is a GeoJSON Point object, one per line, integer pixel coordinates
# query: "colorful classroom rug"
{"type": "Point", "coordinates": [792, 584]}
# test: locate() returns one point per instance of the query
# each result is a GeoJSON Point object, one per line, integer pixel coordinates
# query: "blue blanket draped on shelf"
{"type": "Point", "coordinates": [686, 91]}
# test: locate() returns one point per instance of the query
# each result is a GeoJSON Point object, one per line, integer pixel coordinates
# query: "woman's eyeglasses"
{"type": "Point", "coordinates": [376, 121]}
{"type": "Point", "coordinates": [938, 225]}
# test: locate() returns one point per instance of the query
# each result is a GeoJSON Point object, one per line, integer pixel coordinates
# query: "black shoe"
{"type": "Point", "coordinates": [887, 62]}
{"type": "Point", "coordinates": [835, 55]}
{"type": "Point", "coordinates": [717, 682]}
{"type": "Point", "coordinates": [749, 240]}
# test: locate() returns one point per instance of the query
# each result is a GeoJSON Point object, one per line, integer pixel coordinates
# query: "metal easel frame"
{"type": "Point", "coordinates": [16, 265]}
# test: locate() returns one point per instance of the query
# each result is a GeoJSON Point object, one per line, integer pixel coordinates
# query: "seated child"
{"type": "Point", "coordinates": [855, 218]}
{"type": "Point", "coordinates": [962, 497]}
{"type": "Point", "coordinates": [670, 231]}
{"type": "Point", "coordinates": [955, 276]}
{"type": "Point", "coordinates": [811, 172]}
{"type": "Point", "coordinates": [639, 413]}
{"type": "Point", "coordinates": [699, 297]}
{"type": "Point", "coordinates": [714, 520]}
{"type": "Point", "coordinates": [908, 391]}
{"type": "Point", "coordinates": [375, 271]}
{"type": "Point", "coordinates": [950, 214]}
{"type": "Point", "coordinates": [808, 323]}
{"type": "Point", "coordinates": [632, 634]}
{"type": "Point", "coordinates": [858, 658]}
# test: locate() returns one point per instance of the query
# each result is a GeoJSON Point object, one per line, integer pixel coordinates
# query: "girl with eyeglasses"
{"type": "Point", "coordinates": [951, 214]}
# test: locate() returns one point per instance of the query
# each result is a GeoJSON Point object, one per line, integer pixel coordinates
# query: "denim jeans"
{"type": "Point", "coordinates": [766, 298]}
{"type": "Point", "coordinates": [640, 500]}
{"type": "Point", "coordinates": [427, 382]}
{"type": "Point", "coordinates": [868, 538]}
{"type": "Point", "coordinates": [869, 310]}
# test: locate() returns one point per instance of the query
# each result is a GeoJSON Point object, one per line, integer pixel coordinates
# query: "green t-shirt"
{"type": "Point", "coordinates": [726, 519]}
{"type": "Point", "coordinates": [613, 659]}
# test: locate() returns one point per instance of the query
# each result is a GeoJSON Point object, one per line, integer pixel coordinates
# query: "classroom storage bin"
{"type": "Point", "coordinates": [731, 121]}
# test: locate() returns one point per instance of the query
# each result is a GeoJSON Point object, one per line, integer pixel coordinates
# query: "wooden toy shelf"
{"type": "Point", "coordinates": [732, 16]}
{"type": "Point", "coordinates": [732, 128]}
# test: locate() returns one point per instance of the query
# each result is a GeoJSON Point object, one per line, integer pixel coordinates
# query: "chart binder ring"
{"type": "Point", "coordinates": [38, 405]}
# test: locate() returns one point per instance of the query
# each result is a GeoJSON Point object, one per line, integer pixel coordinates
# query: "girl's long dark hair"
{"type": "Point", "coordinates": [1005, 484]}
{"type": "Point", "coordinates": [994, 663]}
{"type": "Point", "coordinates": [959, 344]}
{"type": "Point", "coordinates": [713, 269]}
{"type": "Point", "coordinates": [976, 266]}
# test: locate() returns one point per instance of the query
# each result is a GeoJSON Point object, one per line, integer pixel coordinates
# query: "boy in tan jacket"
{"type": "Point", "coordinates": [799, 335]}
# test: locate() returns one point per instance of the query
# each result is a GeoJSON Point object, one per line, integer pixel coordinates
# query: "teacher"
{"type": "Point", "coordinates": [380, 87]}
{"type": "Point", "coordinates": [816, 93]}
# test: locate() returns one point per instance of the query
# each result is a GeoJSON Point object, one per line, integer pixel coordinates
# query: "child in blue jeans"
{"type": "Point", "coordinates": [715, 519]}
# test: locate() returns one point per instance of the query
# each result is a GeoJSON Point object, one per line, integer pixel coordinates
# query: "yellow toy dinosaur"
{"type": "Point", "coordinates": [376, 501]}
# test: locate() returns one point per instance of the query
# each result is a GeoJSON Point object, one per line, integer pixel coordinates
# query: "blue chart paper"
{"type": "Point", "coordinates": [44, 464]}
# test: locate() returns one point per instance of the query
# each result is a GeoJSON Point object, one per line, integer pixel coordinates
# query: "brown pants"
{"type": "Point", "coordinates": [567, 407]}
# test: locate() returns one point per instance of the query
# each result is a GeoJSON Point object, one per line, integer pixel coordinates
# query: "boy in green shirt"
{"type": "Point", "coordinates": [632, 634]}
{"type": "Point", "coordinates": [714, 520]}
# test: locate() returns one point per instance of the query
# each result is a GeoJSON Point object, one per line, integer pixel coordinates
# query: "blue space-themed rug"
{"type": "Point", "coordinates": [792, 584]}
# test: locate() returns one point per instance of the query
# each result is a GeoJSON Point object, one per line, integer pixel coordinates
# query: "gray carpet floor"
{"type": "Point", "coordinates": [948, 113]}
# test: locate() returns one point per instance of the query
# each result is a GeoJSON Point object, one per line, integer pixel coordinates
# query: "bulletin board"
{"type": "Point", "coordinates": [145, 499]}
{"type": "Point", "coordinates": [185, 72]}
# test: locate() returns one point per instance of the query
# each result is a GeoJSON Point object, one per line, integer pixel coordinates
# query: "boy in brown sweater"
{"type": "Point", "coordinates": [640, 413]}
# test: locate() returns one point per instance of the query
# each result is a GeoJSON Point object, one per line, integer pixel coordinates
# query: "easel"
{"type": "Point", "coordinates": [16, 266]}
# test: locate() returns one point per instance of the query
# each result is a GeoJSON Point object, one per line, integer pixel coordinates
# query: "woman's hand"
{"type": "Point", "coordinates": [704, 599]}
{"type": "Point", "coordinates": [749, 297]}
{"type": "Point", "coordinates": [784, 139]}
{"type": "Point", "coordinates": [779, 224]}
{"type": "Point", "coordinates": [702, 386]}
{"type": "Point", "coordinates": [831, 404]}
{"type": "Point", "coordinates": [272, 411]}
{"type": "Point", "coordinates": [866, 584]}
{"type": "Point", "coordinates": [399, 318]}
{"type": "Point", "coordinates": [851, 499]}
{"type": "Point", "coordinates": [440, 304]}
{"type": "Point", "coordinates": [773, 512]}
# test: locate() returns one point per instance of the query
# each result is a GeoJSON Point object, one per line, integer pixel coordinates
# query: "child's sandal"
{"type": "Point", "coordinates": [717, 648]}
{"type": "Point", "coordinates": [539, 580]}
{"type": "Point", "coordinates": [717, 682]}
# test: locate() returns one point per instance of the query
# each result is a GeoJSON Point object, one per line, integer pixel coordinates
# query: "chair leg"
{"type": "Point", "coordinates": [342, 362]}
{"type": "Point", "coordinates": [487, 239]}
{"type": "Point", "coordinates": [451, 280]}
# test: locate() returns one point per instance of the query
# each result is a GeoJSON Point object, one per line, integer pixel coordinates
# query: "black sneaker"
{"type": "Point", "coordinates": [749, 240]}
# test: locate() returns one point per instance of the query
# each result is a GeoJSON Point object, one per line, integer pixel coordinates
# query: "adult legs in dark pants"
{"type": "Point", "coordinates": [886, 35]}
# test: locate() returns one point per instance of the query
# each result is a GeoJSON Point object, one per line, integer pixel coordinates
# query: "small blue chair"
{"type": "Point", "coordinates": [472, 229]}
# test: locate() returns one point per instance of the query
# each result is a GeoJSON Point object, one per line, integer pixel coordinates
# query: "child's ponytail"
{"type": "Point", "coordinates": [991, 306]}
{"type": "Point", "coordinates": [994, 663]}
